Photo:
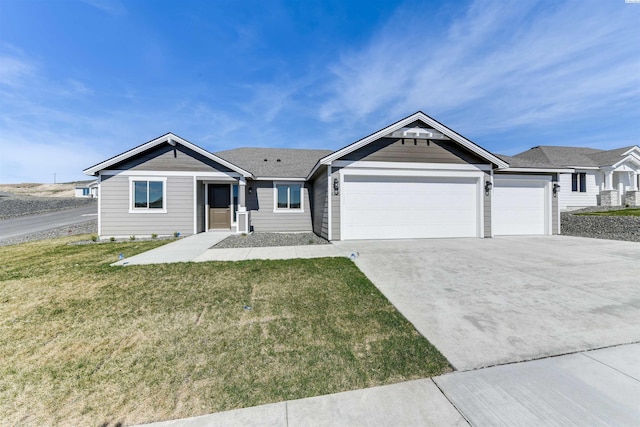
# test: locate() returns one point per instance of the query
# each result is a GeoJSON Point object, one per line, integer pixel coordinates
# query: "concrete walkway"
{"type": "Point", "coordinates": [595, 388]}
{"type": "Point", "coordinates": [197, 248]}
{"type": "Point", "coordinates": [183, 250]}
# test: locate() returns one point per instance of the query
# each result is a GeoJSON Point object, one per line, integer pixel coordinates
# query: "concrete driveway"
{"type": "Point", "coordinates": [484, 302]}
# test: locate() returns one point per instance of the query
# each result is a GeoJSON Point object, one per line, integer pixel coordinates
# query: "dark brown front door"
{"type": "Point", "coordinates": [219, 206]}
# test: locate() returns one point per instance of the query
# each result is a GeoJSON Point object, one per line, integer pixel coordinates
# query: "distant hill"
{"type": "Point", "coordinates": [43, 190]}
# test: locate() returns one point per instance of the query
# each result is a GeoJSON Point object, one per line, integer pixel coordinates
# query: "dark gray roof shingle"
{"type": "Point", "coordinates": [274, 162]}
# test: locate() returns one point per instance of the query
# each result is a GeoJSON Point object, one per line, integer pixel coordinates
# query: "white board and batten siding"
{"type": "Point", "coordinates": [404, 207]}
{"type": "Point", "coordinates": [115, 219]}
{"type": "Point", "coordinates": [521, 205]}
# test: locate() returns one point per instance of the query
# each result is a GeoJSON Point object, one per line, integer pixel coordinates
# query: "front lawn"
{"type": "Point", "coordinates": [82, 343]}
{"type": "Point", "coordinates": [619, 212]}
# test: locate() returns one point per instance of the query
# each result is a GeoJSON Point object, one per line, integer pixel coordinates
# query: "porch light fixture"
{"type": "Point", "coordinates": [556, 189]}
{"type": "Point", "coordinates": [336, 186]}
{"type": "Point", "coordinates": [250, 190]}
{"type": "Point", "coordinates": [487, 187]}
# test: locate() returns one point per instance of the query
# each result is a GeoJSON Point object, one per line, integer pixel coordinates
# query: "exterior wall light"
{"type": "Point", "coordinates": [336, 186]}
{"type": "Point", "coordinates": [487, 187]}
{"type": "Point", "coordinates": [250, 190]}
{"type": "Point", "coordinates": [556, 189]}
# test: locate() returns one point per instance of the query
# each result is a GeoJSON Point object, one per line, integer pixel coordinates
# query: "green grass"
{"type": "Point", "coordinates": [619, 212]}
{"type": "Point", "coordinates": [82, 343]}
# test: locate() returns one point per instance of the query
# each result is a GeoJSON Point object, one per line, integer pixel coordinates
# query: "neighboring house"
{"type": "Point", "coordinates": [87, 190]}
{"type": "Point", "coordinates": [599, 177]}
{"type": "Point", "coordinates": [415, 178]}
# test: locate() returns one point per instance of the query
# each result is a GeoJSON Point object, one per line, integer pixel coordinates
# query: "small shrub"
{"type": "Point", "coordinates": [154, 236]}
{"type": "Point", "coordinates": [132, 237]}
{"type": "Point", "coordinates": [112, 239]}
{"type": "Point", "coordinates": [94, 238]}
{"type": "Point", "coordinates": [310, 241]}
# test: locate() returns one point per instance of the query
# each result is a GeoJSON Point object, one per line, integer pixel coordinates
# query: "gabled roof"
{"type": "Point", "coordinates": [576, 156]}
{"type": "Point", "coordinates": [450, 134]}
{"type": "Point", "coordinates": [274, 162]}
{"type": "Point", "coordinates": [170, 139]}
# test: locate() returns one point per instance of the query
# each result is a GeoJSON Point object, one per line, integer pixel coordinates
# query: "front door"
{"type": "Point", "coordinates": [219, 206]}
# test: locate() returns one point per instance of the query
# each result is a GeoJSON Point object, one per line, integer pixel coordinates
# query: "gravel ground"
{"type": "Point", "coordinates": [15, 206]}
{"type": "Point", "coordinates": [601, 227]}
{"type": "Point", "coordinates": [89, 227]}
{"type": "Point", "coordinates": [262, 240]}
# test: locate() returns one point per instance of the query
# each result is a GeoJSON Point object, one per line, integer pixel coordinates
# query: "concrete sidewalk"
{"type": "Point", "coordinates": [183, 250]}
{"type": "Point", "coordinates": [197, 248]}
{"type": "Point", "coordinates": [599, 387]}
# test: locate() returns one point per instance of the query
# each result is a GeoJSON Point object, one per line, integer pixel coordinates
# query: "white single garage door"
{"type": "Point", "coordinates": [391, 207]}
{"type": "Point", "coordinates": [520, 205]}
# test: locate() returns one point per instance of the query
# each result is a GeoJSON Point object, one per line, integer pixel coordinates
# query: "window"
{"type": "Point", "coordinates": [148, 195]}
{"type": "Point", "coordinates": [288, 196]}
{"type": "Point", "coordinates": [85, 191]}
{"type": "Point", "coordinates": [579, 182]}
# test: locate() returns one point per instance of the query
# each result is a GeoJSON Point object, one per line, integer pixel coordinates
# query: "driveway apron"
{"type": "Point", "coordinates": [484, 302]}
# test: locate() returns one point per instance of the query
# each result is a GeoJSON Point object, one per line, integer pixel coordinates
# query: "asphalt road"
{"type": "Point", "coordinates": [22, 226]}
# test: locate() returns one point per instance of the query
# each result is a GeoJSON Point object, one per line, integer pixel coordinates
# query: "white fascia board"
{"type": "Point", "coordinates": [266, 178]}
{"type": "Point", "coordinates": [127, 172]}
{"type": "Point", "coordinates": [402, 123]}
{"type": "Point", "coordinates": [160, 140]}
{"type": "Point", "coordinates": [594, 168]}
{"type": "Point", "coordinates": [534, 170]}
{"type": "Point", "coordinates": [407, 165]}
{"type": "Point", "coordinates": [520, 177]}
{"type": "Point", "coordinates": [634, 149]}
{"type": "Point", "coordinates": [631, 158]}
{"type": "Point", "coordinates": [414, 173]}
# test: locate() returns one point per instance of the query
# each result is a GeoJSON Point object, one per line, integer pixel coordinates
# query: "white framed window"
{"type": "Point", "coordinates": [579, 182]}
{"type": "Point", "coordinates": [287, 197]}
{"type": "Point", "coordinates": [148, 195]}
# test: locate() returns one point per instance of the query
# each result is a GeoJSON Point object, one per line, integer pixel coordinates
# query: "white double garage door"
{"type": "Point", "coordinates": [405, 207]}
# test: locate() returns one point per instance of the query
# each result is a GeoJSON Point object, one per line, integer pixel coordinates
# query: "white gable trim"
{"type": "Point", "coordinates": [403, 123]}
{"type": "Point", "coordinates": [170, 139]}
{"type": "Point", "coordinates": [635, 149]}
{"type": "Point", "coordinates": [631, 158]}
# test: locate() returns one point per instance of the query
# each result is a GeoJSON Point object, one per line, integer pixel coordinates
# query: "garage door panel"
{"type": "Point", "coordinates": [409, 207]}
{"type": "Point", "coordinates": [519, 206]}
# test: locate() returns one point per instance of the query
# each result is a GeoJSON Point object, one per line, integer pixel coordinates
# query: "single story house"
{"type": "Point", "coordinates": [416, 178]}
{"type": "Point", "coordinates": [599, 177]}
{"type": "Point", "coordinates": [87, 190]}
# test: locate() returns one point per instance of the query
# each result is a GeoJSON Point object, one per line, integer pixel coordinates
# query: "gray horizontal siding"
{"type": "Point", "coordinates": [168, 158]}
{"type": "Point", "coordinates": [320, 202]}
{"type": "Point", "coordinates": [335, 207]}
{"type": "Point", "coordinates": [117, 221]}
{"type": "Point", "coordinates": [487, 206]}
{"type": "Point", "coordinates": [264, 219]}
{"type": "Point", "coordinates": [555, 207]}
{"type": "Point", "coordinates": [422, 151]}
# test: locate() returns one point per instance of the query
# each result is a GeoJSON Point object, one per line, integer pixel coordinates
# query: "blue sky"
{"type": "Point", "coordinates": [81, 81]}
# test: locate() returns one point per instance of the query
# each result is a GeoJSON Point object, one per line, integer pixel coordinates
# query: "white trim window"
{"type": "Point", "coordinates": [287, 197]}
{"type": "Point", "coordinates": [579, 182]}
{"type": "Point", "coordinates": [148, 195]}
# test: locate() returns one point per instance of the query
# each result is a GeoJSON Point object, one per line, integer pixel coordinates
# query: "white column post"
{"type": "Point", "coordinates": [608, 180]}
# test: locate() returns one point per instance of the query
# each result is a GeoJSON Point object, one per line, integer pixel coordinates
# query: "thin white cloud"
{"type": "Point", "coordinates": [113, 7]}
{"type": "Point", "coordinates": [499, 64]}
{"type": "Point", "coordinates": [14, 71]}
